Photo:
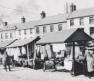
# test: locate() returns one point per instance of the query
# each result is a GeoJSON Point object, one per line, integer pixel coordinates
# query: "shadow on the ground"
{"type": "Point", "coordinates": [58, 70]}
{"type": "Point", "coordinates": [62, 70]}
{"type": "Point", "coordinates": [17, 69]}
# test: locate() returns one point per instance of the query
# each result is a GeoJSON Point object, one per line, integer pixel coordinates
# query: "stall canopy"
{"type": "Point", "coordinates": [4, 44]}
{"type": "Point", "coordinates": [69, 35]}
{"type": "Point", "coordinates": [22, 42]}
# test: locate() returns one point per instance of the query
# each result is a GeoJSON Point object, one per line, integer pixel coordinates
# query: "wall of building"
{"type": "Point", "coordinates": [86, 25]}
{"type": "Point", "coordinates": [10, 35]}
{"type": "Point", "coordinates": [28, 34]}
{"type": "Point", "coordinates": [41, 33]}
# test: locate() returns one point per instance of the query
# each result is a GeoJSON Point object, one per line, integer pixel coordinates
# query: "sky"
{"type": "Point", "coordinates": [13, 10]}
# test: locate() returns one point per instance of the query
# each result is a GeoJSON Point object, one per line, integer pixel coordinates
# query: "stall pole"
{"type": "Point", "coordinates": [34, 57]}
{"type": "Point", "coordinates": [74, 59]}
{"type": "Point", "coordinates": [28, 54]}
{"type": "Point", "coordinates": [84, 61]}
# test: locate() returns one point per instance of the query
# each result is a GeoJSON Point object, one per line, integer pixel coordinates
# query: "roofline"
{"type": "Point", "coordinates": [24, 28]}
{"type": "Point", "coordinates": [49, 43]}
{"type": "Point", "coordinates": [51, 23]}
{"type": "Point", "coordinates": [7, 30]}
{"type": "Point", "coordinates": [79, 17]}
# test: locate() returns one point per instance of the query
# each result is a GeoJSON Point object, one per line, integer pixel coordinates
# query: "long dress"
{"type": "Point", "coordinates": [89, 59]}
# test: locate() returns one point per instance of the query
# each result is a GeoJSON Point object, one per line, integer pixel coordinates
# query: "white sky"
{"type": "Point", "coordinates": [31, 8]}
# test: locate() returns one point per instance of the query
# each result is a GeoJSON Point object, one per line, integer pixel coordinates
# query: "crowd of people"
{"type": "Point", "coordinates": [86, 59]}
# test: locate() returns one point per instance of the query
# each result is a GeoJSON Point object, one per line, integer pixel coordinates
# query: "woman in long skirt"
{"type": "Point", "coordinates": [90, 64]}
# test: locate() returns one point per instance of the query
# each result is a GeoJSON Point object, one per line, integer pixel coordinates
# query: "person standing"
{"type": "Point", "coordinates": [6, 61]}
{"type": "Point", "coordinates": [0, 58]}
{"type": "Point", "coordinates": [89, 59]}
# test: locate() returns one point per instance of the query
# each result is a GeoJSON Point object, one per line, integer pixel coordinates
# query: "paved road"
{"type": "Point", "coordinates": [26, 74]}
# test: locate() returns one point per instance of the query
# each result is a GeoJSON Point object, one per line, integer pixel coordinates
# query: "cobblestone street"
{"type": "Point", "coordinates": [26, 74]}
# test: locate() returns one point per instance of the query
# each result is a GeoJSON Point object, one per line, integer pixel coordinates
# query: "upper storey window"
{"type": "Point", "coordinates": [37, 30]}
{"type": "Point", "coordinates": [71, 22]}
{"type": "Point", "coordinates": [30, 30]}
{"type": "Point", "coordinates": [19, 32]}
{"type": "Point", "coordinates": [59, 27]}
{"type": "Point", "coordinates": [91, 19]}
{"type": "Point", "coordinates": [51, 28]}
{"type": "Point", "coordinates": [91, 30]}
{"type": "Point", "coordinates": [44, 29]}
{"type": "Point", "coordinates": [81, 21]}
{"type": "Point", "coordinates": [11, 36]}
{"type": "Point", "coordinates": [1, 36]}
{"type": "Point", "coordinates": [6, 35]}
{"type": "Point", "coordinates": [24, 31]}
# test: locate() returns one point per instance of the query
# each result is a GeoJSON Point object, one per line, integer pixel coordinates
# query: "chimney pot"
{"type": "Point", "coordinates": [23, 19]}
{"type": "Point", "coordinates": [43, 14]}
{"type": "Point", "coordinates": [73, 7]}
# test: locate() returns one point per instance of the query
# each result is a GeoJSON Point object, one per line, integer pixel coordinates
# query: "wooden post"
{"type": "Point", "coordinates": [84, 61]}
{"type": "Point", "coordinates": [73, 65]}
{"type": "Point", "coordinates": [28, 54]}
{"type": "Point", "coordinates": [34, 57]}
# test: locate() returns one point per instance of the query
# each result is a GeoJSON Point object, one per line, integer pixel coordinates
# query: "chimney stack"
{"type": "Point", "coordinates": [23, 20]}
{"type": "Point", "coordinates": [69, 8]}
{"type": "Point", "coordinates": [72, 7]}
{"type": "Point", "coordinates": [5, 23]}
{"type": "Point", "coordinates": [43, 14]}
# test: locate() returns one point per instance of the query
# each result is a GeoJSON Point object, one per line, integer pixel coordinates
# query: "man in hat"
{"type": "Point", "coordinates": [6, 61]}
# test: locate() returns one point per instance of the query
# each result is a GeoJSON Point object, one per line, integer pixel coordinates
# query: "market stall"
{"type": "Point", "coordinates": [73, 36]}
{"type": "Point", "coordinates": [3, 45]}
{"type": "Point", "coordinates": [23, 51]}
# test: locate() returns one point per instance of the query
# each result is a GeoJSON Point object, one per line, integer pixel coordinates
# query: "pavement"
{"type": "Point", "coordinates": [27, 74]}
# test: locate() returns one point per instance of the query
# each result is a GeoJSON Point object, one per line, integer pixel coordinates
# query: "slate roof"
{"type": "Point", "coordinates": [53, 19]}
{"type": "Point", "coordinates": [21, 42]}
{"type": "Point", "coordinates": [47, 20]}
{"type": "Point", "coordinates": [82, 13]}
{"type": "Point", "coordinates": [25, 25]}
{"type": "Point", "coordinates": [9, 27]}
{"type": "Point", "coordinates": [32, 24]}
{"type": "Point", "coordinates": [5, 43]}
{"type": "Point", "coordinates": [68, 35]}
